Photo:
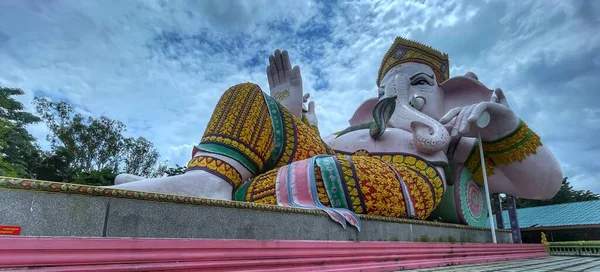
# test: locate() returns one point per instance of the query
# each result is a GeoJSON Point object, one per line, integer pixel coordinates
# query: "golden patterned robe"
{"type": "Point", "coordinates": [252, 128]}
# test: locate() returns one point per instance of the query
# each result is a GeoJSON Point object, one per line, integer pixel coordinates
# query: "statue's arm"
{"type": "Point", "coordinates": [538, 176]}
{"type": "Point", "coordinates": [517, 164]}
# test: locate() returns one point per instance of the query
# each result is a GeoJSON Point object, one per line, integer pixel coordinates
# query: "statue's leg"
{"type": "Point", "coordinates": [261, 189]}
{"type": "Point", "coordinates": [248, 134]}
{"type": "Point", "coordinates": [125, 178]}
{"type": "Point", "coordinates": [253, 134]}
{"type": "Point", "coordinates": [401, 186]}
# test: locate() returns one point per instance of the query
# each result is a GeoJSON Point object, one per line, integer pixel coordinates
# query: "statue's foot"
{"type": "Point", "coordinates": [126, 178]}
{"type": "Point", "coordinates": [196, 183]}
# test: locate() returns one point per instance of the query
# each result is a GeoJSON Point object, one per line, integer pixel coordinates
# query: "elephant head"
{"type": "Point", "coordinates": [419, 103]}
{"type": "Point", "coordinates": [413, 84]}
{"type": "Point", "coordinates": [415, 77]}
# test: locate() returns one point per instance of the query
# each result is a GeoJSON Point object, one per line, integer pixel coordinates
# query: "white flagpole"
{"type": "Point", "coordinates": [482, 122]}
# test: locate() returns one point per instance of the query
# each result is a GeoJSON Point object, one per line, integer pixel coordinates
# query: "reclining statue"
{"type": "Point", "coordinates": [401, 151]}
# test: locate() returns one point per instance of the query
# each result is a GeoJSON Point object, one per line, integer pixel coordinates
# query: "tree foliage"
{"type": "Point", "coordinates": [83, 149]}
{"type": "Point", "coordinates": [139, 157]}
{"type": "Point", "coordinates": [95, 146]}
{"type": "Point", "coordinates": [22, 151]}
{"type": "Point", "coordinates": [6, 168]}
{"type": "Point", "coordinates": [13, 110]}
{"type": "Point", "coordinates": [55, 165]}
{"type": "Point", "coordinates": [92, 143]}
{"type": "Point", "coordinates": [177, 170]}
{"type": "Point", "coordinates": [104, 177]}
{"type": "Point", "coordinates": [19, 150]}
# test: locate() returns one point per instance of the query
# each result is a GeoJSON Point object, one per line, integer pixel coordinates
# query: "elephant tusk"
{"type": "Point", "coordinates": [365, 125]}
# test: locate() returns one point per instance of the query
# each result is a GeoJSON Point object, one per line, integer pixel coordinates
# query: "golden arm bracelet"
{"type": "Point", "coordinates": [514, 147]}
{"type": "Point", "coordinates": [473, 163]}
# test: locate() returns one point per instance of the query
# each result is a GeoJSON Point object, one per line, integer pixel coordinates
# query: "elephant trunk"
{"type": "Point", "coordinates": [429, 135]}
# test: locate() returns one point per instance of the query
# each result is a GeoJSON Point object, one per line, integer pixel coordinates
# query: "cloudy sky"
{"type": "Point", "coordinates": [159, 66]}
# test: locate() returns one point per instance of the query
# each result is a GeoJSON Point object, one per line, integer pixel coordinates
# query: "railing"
{"type": "Point", "coordinates": [578, 248]}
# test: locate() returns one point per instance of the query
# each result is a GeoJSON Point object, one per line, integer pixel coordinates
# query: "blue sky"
{"type": "Point", "coordinates": [160, 66]}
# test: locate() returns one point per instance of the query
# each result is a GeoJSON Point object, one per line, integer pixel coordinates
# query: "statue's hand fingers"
{"type": "Point", "coordinates": [274, 73]}
{"type": "Point", "coordinates": [279, 65]}
{"type": "Point", "coordinates": [463, 120]}
{"type": "Point", "coordinates": [311, 107]}
{"type": "Point", "coordinates": [305, 97]}
{"type": "Point", "coordinates": [287, 65]}
{"type": "Point", "coordinates": [476, 112]}
{"type": "Point", "coordinates": [449, 115]}
{"type": "Point", "coordinates": [501, 97]}
{"type": "Point", "coordinates": [450, 124]}
{"type": "Point", "coordinates": [270, 77]}
{"type": "Point", "coordinates": [296, 78]}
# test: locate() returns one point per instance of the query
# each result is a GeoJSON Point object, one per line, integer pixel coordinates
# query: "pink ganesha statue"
{"type": "Point", "coordinates": [410, 152]}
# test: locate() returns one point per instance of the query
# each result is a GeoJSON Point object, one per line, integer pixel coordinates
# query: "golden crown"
{"type": "Point", "coordinates": [404, 50]}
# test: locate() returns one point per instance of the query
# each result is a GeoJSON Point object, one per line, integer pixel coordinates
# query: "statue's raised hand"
{"type": "Point", "coordinates": [285, 82]}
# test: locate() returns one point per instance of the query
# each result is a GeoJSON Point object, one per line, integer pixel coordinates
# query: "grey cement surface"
{"type": "Point", "coordinates": [57, 214]}
{"type": "Point", "coordinates": [553, 263]}
{"type": "Point", "coordinates": [51, 214]}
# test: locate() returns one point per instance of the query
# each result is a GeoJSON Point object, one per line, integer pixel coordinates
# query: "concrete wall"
{"type": "Point", "coordinates": [59, 214]}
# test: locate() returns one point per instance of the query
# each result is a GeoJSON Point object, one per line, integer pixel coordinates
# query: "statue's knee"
{"type": "Point", "coordinates": [243, 89]}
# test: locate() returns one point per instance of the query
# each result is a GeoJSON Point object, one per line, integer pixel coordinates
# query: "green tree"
{"type": "Point", "coordinates": [160, 170]}
{"type": "Point", "coordinates": [174, 171]}
{"type": "Point", "coordinates": [92, 143]}
{"type": "Point", "coordinates": [93, 150]}
{"type": "Point", "coordinates": [6, 169]}
{"type": "Point", "coordinates": [13, 110]}
{"type": "Point", "coordinates": [139, 157]}
{"type": "Point", "coordinates": [55, 165]}
{"type": "Point", "coordinates": [104, 177]}
{"type": "Point", "coordinates": [19, 148]}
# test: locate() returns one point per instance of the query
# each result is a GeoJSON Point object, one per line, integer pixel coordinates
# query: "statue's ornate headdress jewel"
{"type": "Point", "coordinates": [404, 50]}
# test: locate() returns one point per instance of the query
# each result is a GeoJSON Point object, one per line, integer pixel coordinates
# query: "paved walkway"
{"type": "Point", "coordinates": [553, 263]}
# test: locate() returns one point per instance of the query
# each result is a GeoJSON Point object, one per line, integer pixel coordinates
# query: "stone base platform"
{"type": "Point", "coordinates": [44, 208]}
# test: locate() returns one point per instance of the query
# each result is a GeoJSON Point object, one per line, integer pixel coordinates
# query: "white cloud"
{"type": "Point", "coordinates": [592, 117]}
{"type": "Point", "coordinates": [586, 182]}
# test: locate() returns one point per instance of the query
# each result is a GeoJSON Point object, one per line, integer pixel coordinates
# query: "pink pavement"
{"type": "Point", "coordinates": [146, 254]}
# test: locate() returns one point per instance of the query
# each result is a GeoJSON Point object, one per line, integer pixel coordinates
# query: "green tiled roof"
{"type": "Point", "coordinates": [568, 214]}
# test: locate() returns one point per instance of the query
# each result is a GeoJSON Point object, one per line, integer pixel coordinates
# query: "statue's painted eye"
{"type": "Point", "coordinates": [421, 81]}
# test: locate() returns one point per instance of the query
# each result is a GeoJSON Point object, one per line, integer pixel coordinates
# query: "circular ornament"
{"type": "Point", "coordinates": [471, 201]}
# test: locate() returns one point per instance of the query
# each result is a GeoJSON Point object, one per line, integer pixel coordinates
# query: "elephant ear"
{"type": "Point", "coordinates": [364, 113]}
{"type": "Point", "coordinates": [463, 91]}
